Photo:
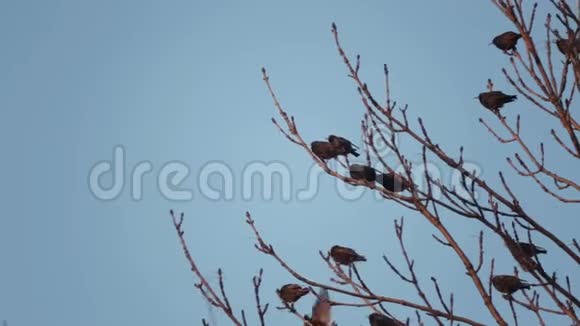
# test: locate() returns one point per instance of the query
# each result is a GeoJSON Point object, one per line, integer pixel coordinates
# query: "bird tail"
{"type": "Point", "coordinates": [541, 250]}
{"type": "Point", "coordinates": [525, 285]}
{"type": "Point", "coordinates": [360, 258]}
{"type": "Point", "coordinates": [513, 97]}
{"type": "Point", "coordinates": [355, 153]}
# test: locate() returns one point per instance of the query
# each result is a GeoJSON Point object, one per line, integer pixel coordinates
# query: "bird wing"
{"type": "Point", "coordinates": [346, 141]}
{"type": "Point", "coordinates": [321, 308]}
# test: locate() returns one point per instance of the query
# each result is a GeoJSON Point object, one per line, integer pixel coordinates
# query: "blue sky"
{"type": "Point", "coordinates": [180, 81]}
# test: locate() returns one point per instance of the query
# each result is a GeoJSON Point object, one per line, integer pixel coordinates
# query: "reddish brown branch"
{"type": "Point", "coordinates": [204, 286]}
{"type": "Point", "coordinates": [268, 249]}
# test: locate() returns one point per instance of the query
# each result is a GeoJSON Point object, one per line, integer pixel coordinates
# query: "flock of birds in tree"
{"type": "Point", "coordinates": [336, 146]}
{"type": "Point", "coordinates": [321, 310]}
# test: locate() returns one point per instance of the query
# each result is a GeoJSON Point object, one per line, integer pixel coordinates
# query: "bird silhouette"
{"type": "Point", "coordinates": [345, 255]}
{"type": "Point", "coordinates": [568, 47]}
{"type": "Point", "coordinates": [563, 45]}
{"type": "Point", "coordinates": [376, 319]}
{"type": "Point", "coordinates": [343, 145]}
{"type": "Point", "coordinates": [495, 100]}
{"type": "Point", "coordinates": [531, 249]}
{"type": "Point", "coordinates": [291, 293]}
{"type": "Point", "coordinates": [523, 253]}
{"type": "Point", "coordinates": [394, 182]}
{"type": "Point", "coordinates": [324, 150]}
{"type": "Point", "coordinates": [506, 41]}
{"type": "Point", "coordinates": [362, 172]}
{"type": "Point", "coordinates": [508, 284]}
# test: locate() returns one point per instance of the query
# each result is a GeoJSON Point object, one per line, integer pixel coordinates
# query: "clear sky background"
{"type": "Point", "coordinates": [180, 81]}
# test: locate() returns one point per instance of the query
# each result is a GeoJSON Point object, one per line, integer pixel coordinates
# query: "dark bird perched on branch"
{"type": "Point", "coordinates": [568, 47]}
{"type": "Point", "coordinates": [495, 100]}
{"type": "Point", "coordinates": [508, 284]}
{"type": "Point", "coordinates": [324, 150]}
{"type": "Point", "coordinates": [345, 256]}
{"type": "Point", "coordinates": [321, 314]}
{"type": "Point", "coordinates": [530, 249]}
{"type": "Point", "coordinates": [506, 41]}
{"type": "Point", "coordinates": [343, 145]}
{"type": "Point", "coordinates": [523, 253]}
{"type": "Point", "coordinates": [291, 293]}
{"type": "Point", "coordinates": [562, 45]}
{"type": "Point", "coordinates": [394, 182]}
{"type": "Point", "coordinates": [362, 172]}
{"type": "Point", "coordinates": [376, 319]}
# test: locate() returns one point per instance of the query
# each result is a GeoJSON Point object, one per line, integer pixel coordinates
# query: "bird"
{"type": "Point", "coordinates": [568, 47]}
{"type": "Point", "coordinates": [321, 314]}
{"type": "Point", "coordinates": [362, 172]}
{"type": "Point", "coordinates": [376, 319]}
{"type": "Point", "coordinates": [291, 293]}
{"type": "Point", "coordinates": [324, 150]}
{"type": "Point", "coordinates": [310, 322]}
{"type": "Point", "coordinates": [508, 284]}
{"type": "Point", "coordinates": [506, 41]}
{"type": "Point", "coordinates": [313, 322]}
{"type": "Point", "coordinates": [523, 254]}
{"type": "Point", "coordinates": [530, 249]}
{"type": "Point", "coordinates": [562, 45]}
{"type": "Point", "coordinates": [345, 255]}
{"type": "Point", "coordinates": [494, 100]}
{"type": "Point", "coordinates": [394, 182]}
{"type": "Point", "coordinates": [343, 146]}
